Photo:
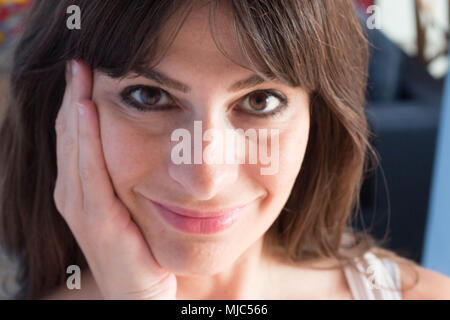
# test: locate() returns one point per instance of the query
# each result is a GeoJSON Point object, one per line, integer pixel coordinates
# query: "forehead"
{"type": "Point", "coordinates": [194, 50]}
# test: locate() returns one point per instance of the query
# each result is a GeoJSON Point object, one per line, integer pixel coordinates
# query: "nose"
{"type": "Point", "coordinates": [208, 172]}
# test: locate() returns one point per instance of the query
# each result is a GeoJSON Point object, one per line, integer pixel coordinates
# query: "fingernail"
{"type": "Point", "coordinates": [68, 69]}
{"type": "Point", "coordinates": [80, 109]}
{"type": "Point", "coordinates": [74, 67]}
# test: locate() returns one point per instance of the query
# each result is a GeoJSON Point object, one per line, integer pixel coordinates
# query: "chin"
{"type": "Point", "coordinates": [195, 259]}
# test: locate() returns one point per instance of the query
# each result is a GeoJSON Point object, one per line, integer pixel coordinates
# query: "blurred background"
{"type": "Point", "coordinates": [406, 201]}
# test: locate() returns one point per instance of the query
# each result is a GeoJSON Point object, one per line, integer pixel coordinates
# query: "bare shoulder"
{"type": "Point", "coordinates": [419, 283]}
{"type": "Point", "coordinates": [316, 279]}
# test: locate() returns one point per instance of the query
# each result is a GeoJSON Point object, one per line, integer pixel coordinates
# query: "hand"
{"type": "Point", "coordinates": [118, 256]}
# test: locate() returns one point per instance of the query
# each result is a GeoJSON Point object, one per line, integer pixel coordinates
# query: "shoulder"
{"type": "Point", "coordinates": [320, 278]}
{"type": "Point", "coordinates": [419, 283]}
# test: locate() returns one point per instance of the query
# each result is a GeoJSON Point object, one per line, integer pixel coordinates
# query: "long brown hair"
{"type": "Point", "coordinates": [317, 45]}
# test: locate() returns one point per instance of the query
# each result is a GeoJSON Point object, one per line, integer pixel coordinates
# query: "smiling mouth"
{"type": "Point", "coordinates": [199, 214]}
{"type": "Point", "coordinates": [198, 222]}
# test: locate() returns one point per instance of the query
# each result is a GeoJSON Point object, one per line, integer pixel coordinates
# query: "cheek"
{"type": "Point", "coordinates": [131, 154]}
{"type": "Point", "coordinates": [293, 141]}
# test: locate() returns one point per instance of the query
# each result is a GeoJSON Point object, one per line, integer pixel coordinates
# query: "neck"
{"type": "Point", "coordinates": [240, 280]}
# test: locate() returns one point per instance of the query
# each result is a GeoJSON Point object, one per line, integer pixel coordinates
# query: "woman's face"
{"type": "Point", "coordinates": [138, 148]}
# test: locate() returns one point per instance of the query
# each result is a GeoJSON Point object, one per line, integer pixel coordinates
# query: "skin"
{"type": "Point", "coordinates": [137, 151]}
{"type": "Point", "coordinates": [129, 150]}
{"type": "Point", "coordinates": [110, 156]}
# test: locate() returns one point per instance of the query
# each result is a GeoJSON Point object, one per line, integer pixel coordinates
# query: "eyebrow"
{"type": "Point", "coordinates": [168, 82]}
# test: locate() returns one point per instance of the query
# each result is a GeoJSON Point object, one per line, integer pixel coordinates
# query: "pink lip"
{"type": "Point", "coordinates": [199, 214]}
{"type": "Point", "coordinates": [198, 222]}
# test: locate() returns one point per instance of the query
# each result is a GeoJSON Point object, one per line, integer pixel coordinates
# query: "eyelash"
{"type": "Point", "coordinates": [126, 98]}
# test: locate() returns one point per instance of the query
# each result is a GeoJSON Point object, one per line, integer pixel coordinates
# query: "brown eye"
{"type": "Point", "coordinates": [145, 98]}
{"type": "Point", "coordinates": [258, 101]}
{"type": "Point", "coordinates": [262, 102]}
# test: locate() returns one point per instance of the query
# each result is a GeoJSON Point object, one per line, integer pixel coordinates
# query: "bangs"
{"type": "Point", "coordinates": [119, 37]}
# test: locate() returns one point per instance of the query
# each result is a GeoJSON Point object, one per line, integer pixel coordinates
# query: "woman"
{"type": "Point", "coordinates": [90, 175]}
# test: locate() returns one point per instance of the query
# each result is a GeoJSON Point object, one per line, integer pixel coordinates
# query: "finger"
{"type": "Point", "coordinates": [81, 81]}
{"type": "Point", "coordinates": [68, 187]}
{"type": "Point", "coordinates": [98, 194]}
{"type": "Point", "coordinates": [78, 88]}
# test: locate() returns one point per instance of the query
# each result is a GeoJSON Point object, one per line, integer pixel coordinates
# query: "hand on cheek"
{"type": "Point", "coordinates": [118, 256]}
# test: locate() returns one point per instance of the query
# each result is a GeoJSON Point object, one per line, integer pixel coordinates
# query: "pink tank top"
{"type": "Point", "coordinates": [373, 278]}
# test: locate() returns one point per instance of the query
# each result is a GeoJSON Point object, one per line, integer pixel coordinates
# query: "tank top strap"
{"type": "Point", "coordinates": [372, 278]}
